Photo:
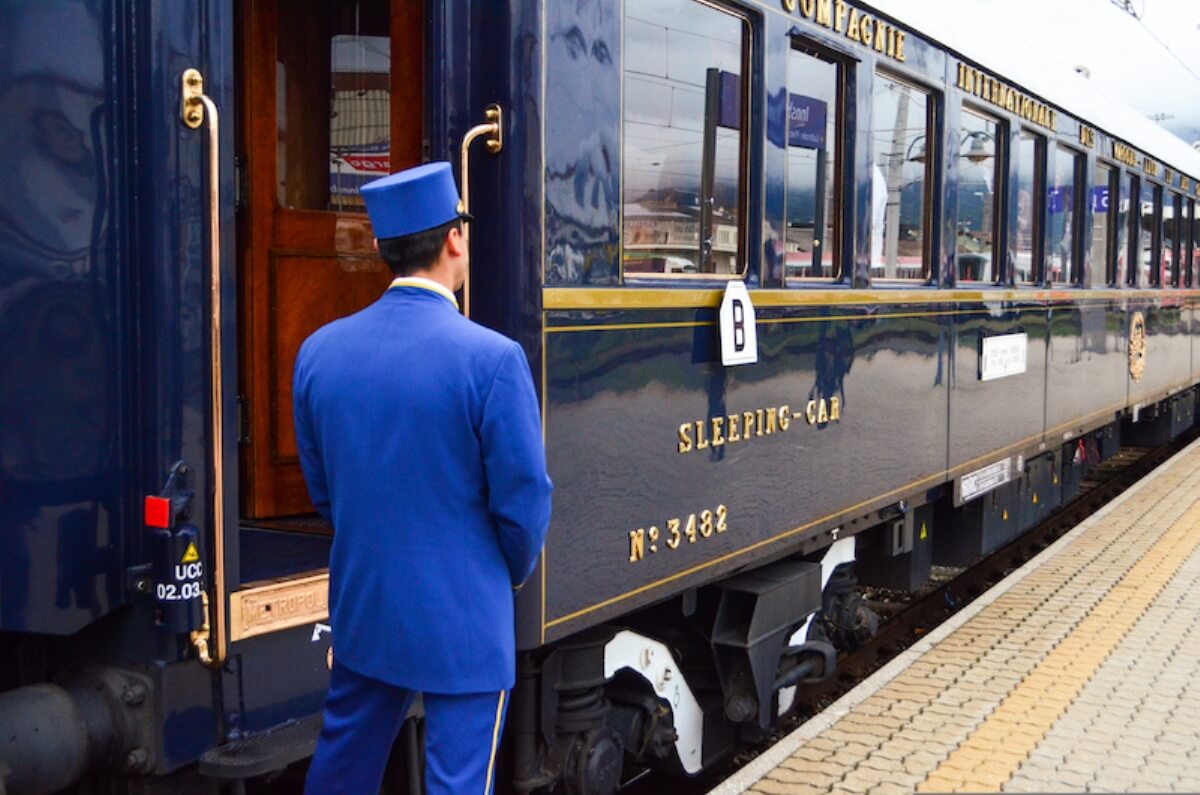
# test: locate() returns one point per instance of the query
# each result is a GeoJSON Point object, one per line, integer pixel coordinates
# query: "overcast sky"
{"type": "Point", "coordinates": [1125, 60]}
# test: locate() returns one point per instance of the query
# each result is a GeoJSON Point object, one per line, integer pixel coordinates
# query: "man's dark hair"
{"type": "Point", "coordinates": [408, 254]}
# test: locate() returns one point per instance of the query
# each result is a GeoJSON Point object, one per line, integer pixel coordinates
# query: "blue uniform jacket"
{"type": "Point", "coordinates": [420, 440]}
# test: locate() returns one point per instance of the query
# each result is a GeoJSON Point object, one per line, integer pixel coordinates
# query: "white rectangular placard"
{"type": "Point", "coordinates": [739, 334]}
{"type": "Point", "coordinates": [1003, 356]}
{"type": "Point", "coordinates": [972, 484]}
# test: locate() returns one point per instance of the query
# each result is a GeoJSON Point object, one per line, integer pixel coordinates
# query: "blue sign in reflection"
{"type": "Point", "coordinates": [1058, 199]}
{"type": "Point", "coordinates": [806, 121]}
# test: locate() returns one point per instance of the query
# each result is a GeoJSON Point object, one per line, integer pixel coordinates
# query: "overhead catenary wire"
{"type": "Point", "coordinates": [1128, 7]}
{"type": "Point", "coordinates": [1138, 16]}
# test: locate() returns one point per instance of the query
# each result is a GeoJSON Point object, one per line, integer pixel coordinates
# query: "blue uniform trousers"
{"type": "Point", "coordinates": [363, 717]}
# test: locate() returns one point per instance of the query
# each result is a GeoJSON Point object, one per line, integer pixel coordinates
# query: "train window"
{"type": "Point", "coordinates": [333, 102]}
{"type": "Point", "coordinates": [979, 191]}
{"type": "Point", "coordinates": [813, 166]}
{"type": "Point", "coordinates": [1103, 209]}
{"type": "Point", "coordinates": [1196, 243]}
{"type": "Point", "coordinates": [684, 149]}
{"type": "Point", "coordinates": [1150, 237]}
{"type": "Point", "coordinates": [1031, 159]}
{"type": "Point", "coordinates": [1172, 210]}
{"type": "Point", "coordinates": [1191, 258]}
{"type": "Point", "coordinates": [1061, 204]}
{"type": "Point", "coordinates": [902, 158]}
{"type": "Point", "coordinates": [1127, 233]}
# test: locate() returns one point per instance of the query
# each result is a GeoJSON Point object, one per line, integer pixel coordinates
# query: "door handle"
{"type": "Point", "coordinates": [210, 641]}
{"type": "Point", "coordinates": [493, 128]}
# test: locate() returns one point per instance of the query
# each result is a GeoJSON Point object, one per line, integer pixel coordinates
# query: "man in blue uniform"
{"type": "Point", "coordinates": [420, 439]}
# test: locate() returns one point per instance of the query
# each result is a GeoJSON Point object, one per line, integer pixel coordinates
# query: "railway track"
{"type": "Point", "coordinates": [905, 618]}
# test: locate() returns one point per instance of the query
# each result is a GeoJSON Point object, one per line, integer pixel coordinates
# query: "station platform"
{"type": "Point", "coordinates": [1078, 672]}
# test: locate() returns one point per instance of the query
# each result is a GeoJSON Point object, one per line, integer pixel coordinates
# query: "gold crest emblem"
{"type": "Point", "coordinates": [1137, 346]}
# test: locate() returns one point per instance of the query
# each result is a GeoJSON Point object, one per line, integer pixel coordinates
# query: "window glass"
{"type": "Point", "coordinates": [1121, 221]}
{"type": "Point", "coordinates": [1196, 243]}
{"type": "Point", "coordinates": [1030, 160]}
{"type": "Point", "coordinates": [1103, 210]}
{"type": "Point", "coordinates": [1172, 209]}
{"type": "Point", "coordinates": [1060, 220]}
{"type": "Point", "coordinates": [900, 143]}
{"type": "Point", "coordinates": [333, 102]}
{"type": "Point", "coordinates": [1127, 231]}
{"type": "Point", "coordinates": [978, 198]}
{"type": "Point", "coordinates": [1192, 259]}
{"type": "Point", "coordinates": [813, 112]}
{"type": "Point", "coordinates": [1148, 241]}
{"type": "Point", "coordinates": [684, 148]}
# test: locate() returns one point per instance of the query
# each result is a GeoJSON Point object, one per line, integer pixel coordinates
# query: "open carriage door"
{"type": "Point", "coordinates": [333, 96]}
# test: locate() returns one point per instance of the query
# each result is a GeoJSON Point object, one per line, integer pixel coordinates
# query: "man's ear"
{"type": "Point", "coordinates": [456, 244]}
{"type": "Point", "coordinates": [375, 244]}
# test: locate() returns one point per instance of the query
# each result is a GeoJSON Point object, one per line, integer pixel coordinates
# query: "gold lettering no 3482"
{"type": "Point", "coordinates": [676, 531]}
{"type": "Point", "coordinates": [734, 428]}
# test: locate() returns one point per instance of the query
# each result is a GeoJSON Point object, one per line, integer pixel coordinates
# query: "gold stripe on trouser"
{"type": "Point", "coordinates": [1020, 722]}
{"type": "Point", "coordinates": [487, 783]}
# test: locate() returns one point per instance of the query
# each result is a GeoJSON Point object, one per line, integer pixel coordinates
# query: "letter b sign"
{"type": "Point", "coordinates": [739, 325]}
{"type": "Point", "coordinates": [739, 336]}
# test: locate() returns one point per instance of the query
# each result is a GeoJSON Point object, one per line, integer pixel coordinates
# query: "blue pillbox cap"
{"type": "Point", "coordinates": [412, 200]}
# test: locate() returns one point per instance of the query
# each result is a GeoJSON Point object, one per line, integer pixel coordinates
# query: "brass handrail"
{"type": "Point", "coordinates": [494, 129]}
{"type": "Point", "coordinates": [211, 648]}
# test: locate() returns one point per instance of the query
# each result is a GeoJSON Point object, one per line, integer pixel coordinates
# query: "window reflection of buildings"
{"type": "Point", "coordinates": [333, 103]}
{"type": "Point", "coordinates": [975, 243]}
{"type": "Point", "coordinates": [1169, 258]}
{"type": "Point", "coordinates": [1191, 235]}
{"type": "Point", "coordinates": [1060, 202]}
{"type": "Point", "coordinates": [1126, 223]}
{"type": "Point", "coordinates": [800, 244]}
{"type": "Point", "coordinates": [804, 248]}
{"type": "Point", "coordinates": [670, 70]}
{"type": "Point", "coordinates": [1029, 178]}
{"type": "Point", "coordinates": [813, 113]}
{"type": "Point", "coordinates": [662, 235]}
{"type": "Point", "coordinates": [1148, 230]}
{"type": "Point", "coordinates": [1099, 207]}
{"type": "Point", "coordinates": [897, 148]}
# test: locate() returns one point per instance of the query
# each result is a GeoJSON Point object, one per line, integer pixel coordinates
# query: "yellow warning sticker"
{"type": "Point", "coordinates": [924, 532]}
{"type": "Point", "coordinates": [190, 555]}
{"type": "Point", "coordinates": [1005, 515]}
{"type": "Point", "coordinates": [1035, 498]}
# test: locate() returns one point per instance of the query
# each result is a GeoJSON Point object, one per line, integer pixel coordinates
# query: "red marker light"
{"type": "Point", "coordinates": [158, 512]}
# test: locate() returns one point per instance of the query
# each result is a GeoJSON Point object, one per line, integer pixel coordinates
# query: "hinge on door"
{"type": "Point", "coordinates": [243, 420]}
{"type": "Point", "coordinates": [241, 184]}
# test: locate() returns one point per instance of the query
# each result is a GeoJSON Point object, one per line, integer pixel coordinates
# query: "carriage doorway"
{"type": "Point", "coordinates": [332, 95]}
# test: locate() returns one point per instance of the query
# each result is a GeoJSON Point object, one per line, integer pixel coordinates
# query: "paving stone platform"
{"type": "Point", "coordinates": [1079, 672]}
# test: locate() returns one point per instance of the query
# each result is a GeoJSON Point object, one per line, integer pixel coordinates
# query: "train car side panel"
{"type": "Point", "coordinates": [65, 317]}
{"type": "Point", "coordinates": [672, 468]}
{"type": "Point", "coordinates": [1003, 412]}
{"type": "Point", "coordinates": [1086, 370]}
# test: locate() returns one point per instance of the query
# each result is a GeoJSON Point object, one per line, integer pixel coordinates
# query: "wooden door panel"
{"type": "Point", "coordinates": [322, 233]}
{"type": "Point", "coordinates": [306, 257]}
{"type": "Point", "coordinates": [306, 293]}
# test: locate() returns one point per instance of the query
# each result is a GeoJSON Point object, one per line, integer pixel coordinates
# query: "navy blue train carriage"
{"type": "Point", "coordinates": [967, 282]}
